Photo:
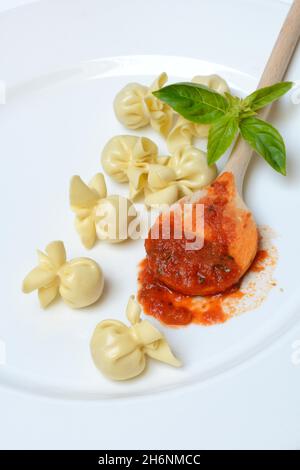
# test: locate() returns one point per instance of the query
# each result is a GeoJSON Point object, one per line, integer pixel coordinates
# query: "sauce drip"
{"type": "Point", "coordinates": [258, 263]}
{"type": "Point", "coordinates": [174, 309]}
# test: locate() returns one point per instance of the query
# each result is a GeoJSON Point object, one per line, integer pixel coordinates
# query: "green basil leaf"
{"type": "Point", "coordinates": [266, 141]}
{"type": "Point", "coordinates": [195, 102]}
{"type": "Point", "coordinates": [220, 137]}
{"type": "Point", "coordinates": [263, 96]}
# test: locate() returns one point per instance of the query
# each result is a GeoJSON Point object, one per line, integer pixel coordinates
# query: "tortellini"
{"type": "Point", "coordinates": [135, 107]}
{"type": "Point", "coordinates": [161, 115]}
{"type": "Point", "coordinates": [185, 131]}
{"type": "Point", "coordinates": [130, 108]}
{"type": "Point", "coordinates": [126, 157]}
{"type": "Point", "coordinates": [181, 135]}
{"type": "Point", "coordinates": [183, 174]}
{"type": "Point", "coordinates": [120, 352]}
{"type": "Point", "coordinates": [132, 159]}
{"type": "Point", "coordinates": [79, 281]}
{"type": "Point", "coordinates": [163, 179]}
{"type": "Point", "coordinates": [192, 170]}
{"type": "Point", "coordinates": [213, 81]}
{"type": "Point", "coordinates": [98, 215]}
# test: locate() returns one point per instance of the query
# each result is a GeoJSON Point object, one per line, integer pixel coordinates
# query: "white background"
{"type": "Point", "coordinates": [36, 422]}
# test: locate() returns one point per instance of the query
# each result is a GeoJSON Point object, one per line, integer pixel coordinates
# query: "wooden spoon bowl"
{"type": "Point", "coordinates": [229, 232]}
{"type": "Point", "coordinates": [228, 237]}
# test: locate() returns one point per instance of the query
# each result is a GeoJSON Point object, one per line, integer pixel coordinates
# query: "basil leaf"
{"type": "Point", "coordinates": [221, 135]}
{"type": "Point", "coordinates": [266, 141]}
{"type": "Point", "coordinates": [195, 102]}
{"type": "Point", "coordinates": [263, 96]}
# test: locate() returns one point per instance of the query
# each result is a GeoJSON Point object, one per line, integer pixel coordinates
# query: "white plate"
{"type": "Point", "coordinates": [58, 115]}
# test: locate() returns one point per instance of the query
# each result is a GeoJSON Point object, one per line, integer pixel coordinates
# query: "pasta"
{"type": "Point", "coordinates": [192, 170]}
{"type": "Point", "coordinates": [112, 218]}
{"type": "Point", "coordinates": [161, 186]}
{"type": "Point", "coordinates": [168, 195]}
{"type": "Point", "coordinates": [137, 178]}
{"type": "Point", "coordinates": [98, 215]}
{"type": "Point", "coordinates": [130, 108]}
{"type": "Point", "coordinates": [135, 160]}
{"type": "Point", "coordinates": [120, 352]}
{"type": "Point", "coordinates": [161, 115]}
{"type": "Point", "coordinates": [125, 153]}
{"type": "Point", "coordinates": [83, 200]}
{"type": "Point", "coordinates": [181, 135]}
{"type": "Point", "coordinates": [215, 82]}
{"type": "Point", "coordinates": [185, 131]}
{"type": "Point", "coordinates": [79, 281]}
{"type": "Point", "coordinates": [135, 107]}
{"type": "Point", "coordinates": [183, 174]}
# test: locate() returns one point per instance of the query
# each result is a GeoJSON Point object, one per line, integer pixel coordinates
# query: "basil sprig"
{"type": "Point", "coordinates": [229, 116]}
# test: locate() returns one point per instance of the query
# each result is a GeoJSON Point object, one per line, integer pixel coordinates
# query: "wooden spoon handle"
{"type": "Point", "coordinates": [274, 72]}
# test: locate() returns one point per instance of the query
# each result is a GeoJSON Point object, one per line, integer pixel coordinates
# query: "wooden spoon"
{"type": "Point", "coordinates": [274, 72]}
{"type": "Point", "coordinates": [245, 246]}
{"type": "Point", "coordinates": [230, 231]}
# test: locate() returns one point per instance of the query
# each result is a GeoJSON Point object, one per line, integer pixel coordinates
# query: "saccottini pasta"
{"type": "Point", "coordinates": [79, 282]}
{"type": "Point", "coordinates": [120, 352]}
{"type": "Point", "coordinates": [135, 107]}
{"type": "Point", "coordinates": [99, 216]}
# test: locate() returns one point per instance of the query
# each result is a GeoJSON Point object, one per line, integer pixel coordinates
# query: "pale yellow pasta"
{"type": "Point", "coordinates": [135, 107]}
{"type": "Point", "coordinates": [160, 176]}
{"type": "Point", "coordinates": [192, 170]}
{"type": "Point", "coordinates": [123, 153]}
{"type": "Point", "coordinates": [161, 186]}
{"type": "Point", "coordinates": [168, 195]}
{"type": "Point", "coordinates": [184, 131]}
{"type": "Point", "coordinates": [112, 218]}
{"type": "Point", "coordinates": [162, 179]}
{"type": "Point", "coordinates": [120, 352]}
{"type": "Point", "coordinates": [130, 108]}
{"type": "Point", "coordinates": [98, 215]}
{"type": "Point", "coordinates": [181, 135]}
{"type": "Point", "coordinates": [161, 115]}
{"type": "Point", "coordinates": [184, 173]}
{"type": "Point", "coordinates": [137, 178]}
{"type": "Point", "coordinates": [83, 200]}
{"type": "Point", "coordinates": [79, 281]}
{"type": "Point", "coordinates": [213, 81]}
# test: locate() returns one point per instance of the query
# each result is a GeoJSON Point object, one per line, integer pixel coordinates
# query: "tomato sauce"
{"type": "Point", "coordinates": [175, 309]}
{"type": "Point", "coordinates": [171, 278]}
{"type": "Point", "coordinates": [258, 263]}
{"type": "Point", "coordinates": [211, 269]}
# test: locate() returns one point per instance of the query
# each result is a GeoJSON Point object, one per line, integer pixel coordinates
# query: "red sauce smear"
{"type": "Point", "coordinates": [258, 263]}
{"type": "Point", "coordinates": [174, 309]}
